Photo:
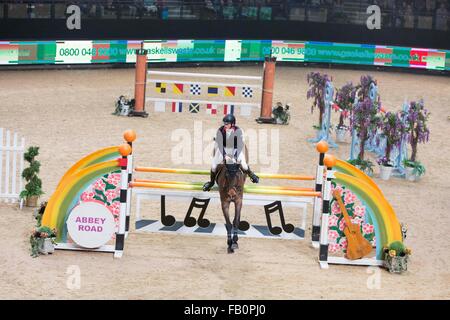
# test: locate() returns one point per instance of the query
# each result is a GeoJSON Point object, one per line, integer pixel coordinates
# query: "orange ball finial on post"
{"type": "Point", "coordinates": [129, 135]}
{"type": "Point", "coordinates": [330, 161]}
{"type": "Point", "coordinates": [125, 149]}
{"type": "Point", "coordinates": [322, 146]}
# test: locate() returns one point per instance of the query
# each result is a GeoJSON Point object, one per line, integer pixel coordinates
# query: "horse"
{"type": "Point", "coordinates": [230, 179]}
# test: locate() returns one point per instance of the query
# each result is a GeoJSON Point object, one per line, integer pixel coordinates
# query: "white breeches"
{"type": "Point", "coordinates": [218, 159]}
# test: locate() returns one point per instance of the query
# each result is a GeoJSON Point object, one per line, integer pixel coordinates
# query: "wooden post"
{"type": "Point", "coordinates": [267, 91]}
{"type": "Point", "coordinates": [140, 84]}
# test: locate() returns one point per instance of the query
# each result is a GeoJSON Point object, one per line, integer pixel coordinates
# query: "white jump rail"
{"type": "Point", "coordinates": [256, 86]}
{"type": "Point", "coordinates": [204, 75]}
{"type": "Point", "coordinates": [248, 104]}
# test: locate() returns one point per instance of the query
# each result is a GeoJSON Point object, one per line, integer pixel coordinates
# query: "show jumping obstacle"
{"type": "Point", "coordinates": [82, 199]}
{"type": "Point", "coordinates": [264, 83]}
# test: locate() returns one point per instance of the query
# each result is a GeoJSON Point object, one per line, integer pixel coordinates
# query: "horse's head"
{"type": "Point", "coordinates": [231, 180]}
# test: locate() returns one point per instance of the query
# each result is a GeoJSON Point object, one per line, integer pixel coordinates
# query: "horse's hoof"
{"type": "Point", "coordinates": [230, 250]}
{"type": "Point", "coordinates": [234, 246]}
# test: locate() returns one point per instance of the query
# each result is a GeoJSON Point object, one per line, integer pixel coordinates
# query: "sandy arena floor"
{"type": "Point", "coordinates": [68, 114]}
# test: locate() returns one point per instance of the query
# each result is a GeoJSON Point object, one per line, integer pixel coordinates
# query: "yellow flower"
{"type": "Point", "coordinates": [408, 251]}
{"type": "Point", "coordinates": [392, 253]}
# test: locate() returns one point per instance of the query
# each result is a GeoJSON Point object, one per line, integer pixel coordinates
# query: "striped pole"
{"type": "Point", "coordinates": [206, 172]}
{"type": "Point", "coordinates": [194, 187]}
{"type": "Point", "coordinates": [124, 150]}
{"type": "Point", "coordinates": [322, 148]}
{"type": "Point", "coordinates": [329, 161]}
{"type": "Point", "coordinates": [129, 137]}
{"type": "Point", "coordinates": [140, 84]}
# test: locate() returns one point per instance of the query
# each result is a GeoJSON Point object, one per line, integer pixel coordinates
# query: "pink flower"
{"type": "Point", "coordinates": [114, 179]}
{"type": "Point", "coordinates": [357, 220]}
{"type": "Point", "coordinates": [111, 194]}
{"type": "Point", "coordinates": [367, 228]}
{"type": "Point", "coordinates": [335, 208]}
{"type": "Point", "coordinates": [332, 235]}
{"type": "Point", "coordinates": [360, 211]}
{"type": "Point", "coordinates": [87, 196]}
{"type": "Point", "coordinates": [349, 197]}
{"type": "Point", "coordinates": [99, 185]}
{"type": "Point", "coordinates": [332, 221]}
{"type": "Point", "coordinates": [334, 247]}
{"type": "Point", "coordinates": [343, 243]}
{"type": "Point", "coordinates": [114, 207]}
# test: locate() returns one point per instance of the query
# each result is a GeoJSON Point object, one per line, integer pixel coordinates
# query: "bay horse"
{"type": "Point", "coordinates": [230, 179]}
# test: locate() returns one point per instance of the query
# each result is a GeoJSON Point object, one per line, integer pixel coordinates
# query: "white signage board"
{"type": "Point", "coordinates": [90, 225]}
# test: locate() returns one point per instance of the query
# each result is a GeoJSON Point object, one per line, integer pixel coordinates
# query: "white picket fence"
{"type": "Point", "coordinates": [11, 165]}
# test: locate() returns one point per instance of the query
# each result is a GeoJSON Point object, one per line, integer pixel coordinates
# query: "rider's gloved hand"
{"type": "Point", "coordinates": [253, 177]}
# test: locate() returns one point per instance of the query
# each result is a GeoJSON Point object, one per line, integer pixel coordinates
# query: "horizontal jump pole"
{"type": "Point", "coordinates": [205, 102]}
{"type": "Point", "coordinates": [257, 86]}
{"type": "Point", "coordinates": [199, 188]}
{"type": "Point", "coordinates": [248, 187]}
{"type": "Point", "coordinates": [204, 75]}
{"type": "Point", "coordinates": [207, 172]}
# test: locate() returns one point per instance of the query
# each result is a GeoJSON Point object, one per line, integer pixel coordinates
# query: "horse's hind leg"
{"type": "Point", "coordinates": [236, 221]}
{"type": "Point", "coordinates": [228, 225]}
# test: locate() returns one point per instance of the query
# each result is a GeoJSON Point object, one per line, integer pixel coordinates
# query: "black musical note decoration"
{"type": "Point", "coordinates": [166, 220]}
{"type": "Point", "coordinates": [191, 221]}
{"type": "Point", "coordinates": [272, 207]}
{"type": "Point", "coordinates": [244, 225]}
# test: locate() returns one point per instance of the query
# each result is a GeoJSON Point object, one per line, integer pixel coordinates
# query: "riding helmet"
{"type": "Point", "coordinates": [229, 118]}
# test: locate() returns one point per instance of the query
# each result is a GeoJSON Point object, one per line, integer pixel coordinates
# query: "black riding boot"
{"type": "Point", "coordinates": [253, 177]}
{"type": "Point", "coordinates": [207, 186]}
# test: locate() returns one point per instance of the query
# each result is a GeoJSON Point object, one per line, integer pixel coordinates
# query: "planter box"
{"type": "Point", "coordinates": [409, 175]}
{"type": "Point", "coordinates": [385, 172]}
{"type": "Point", "coordinates": [46, 246]}
{"type": "Point", "coordinates": [396, 264]}
{"type": "Point", "coordinates": [31, 201]}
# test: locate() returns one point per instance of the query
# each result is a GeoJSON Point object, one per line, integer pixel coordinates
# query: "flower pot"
{"type": "Point", "coordinates": [340, 135]}
{"type": "Point", "coordinates": [125, 110]}
{"type": "Point", "coordinates": [385, 172]}
{"type": "Point", "coordinates": [409, 174]}
{"type": "Point", "coordinates": [396, 264]}
{"type": "Point", "coordinates": [32, 201]}
{"type": "Point", "coordinates": [46, 246]}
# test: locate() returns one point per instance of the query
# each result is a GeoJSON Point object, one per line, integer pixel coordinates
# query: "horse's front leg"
{"type": "Point", "coordinates": [228, 226]}
{"type": "Point", "coordinates": [236, 221]}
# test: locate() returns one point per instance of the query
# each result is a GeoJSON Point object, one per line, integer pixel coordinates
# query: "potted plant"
{"type": "Point", "coordinates": [345, 97]}
{"type": "Point", "coordinates": [393, 130]}
{"type": "Point", "coordinates": [42, 241]}
{"type": "Point", "coordinates": [33, 188]}
{"type": "Point", "coordinates": [417, 132]}
{"type": "Point", "coordinates": [364, 165]}
{"type": "Point", "coordinates": [385, 168]}
{"type": "Point", "coordinates": [413, 170]}
{"type": "Point", "coordinates": [317, 84]}
{"type": "Point", "coordinates": [396, 257]}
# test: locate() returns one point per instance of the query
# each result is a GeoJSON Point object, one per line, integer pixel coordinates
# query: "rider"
{"type": "Point", "coordinates": [229, 145]}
